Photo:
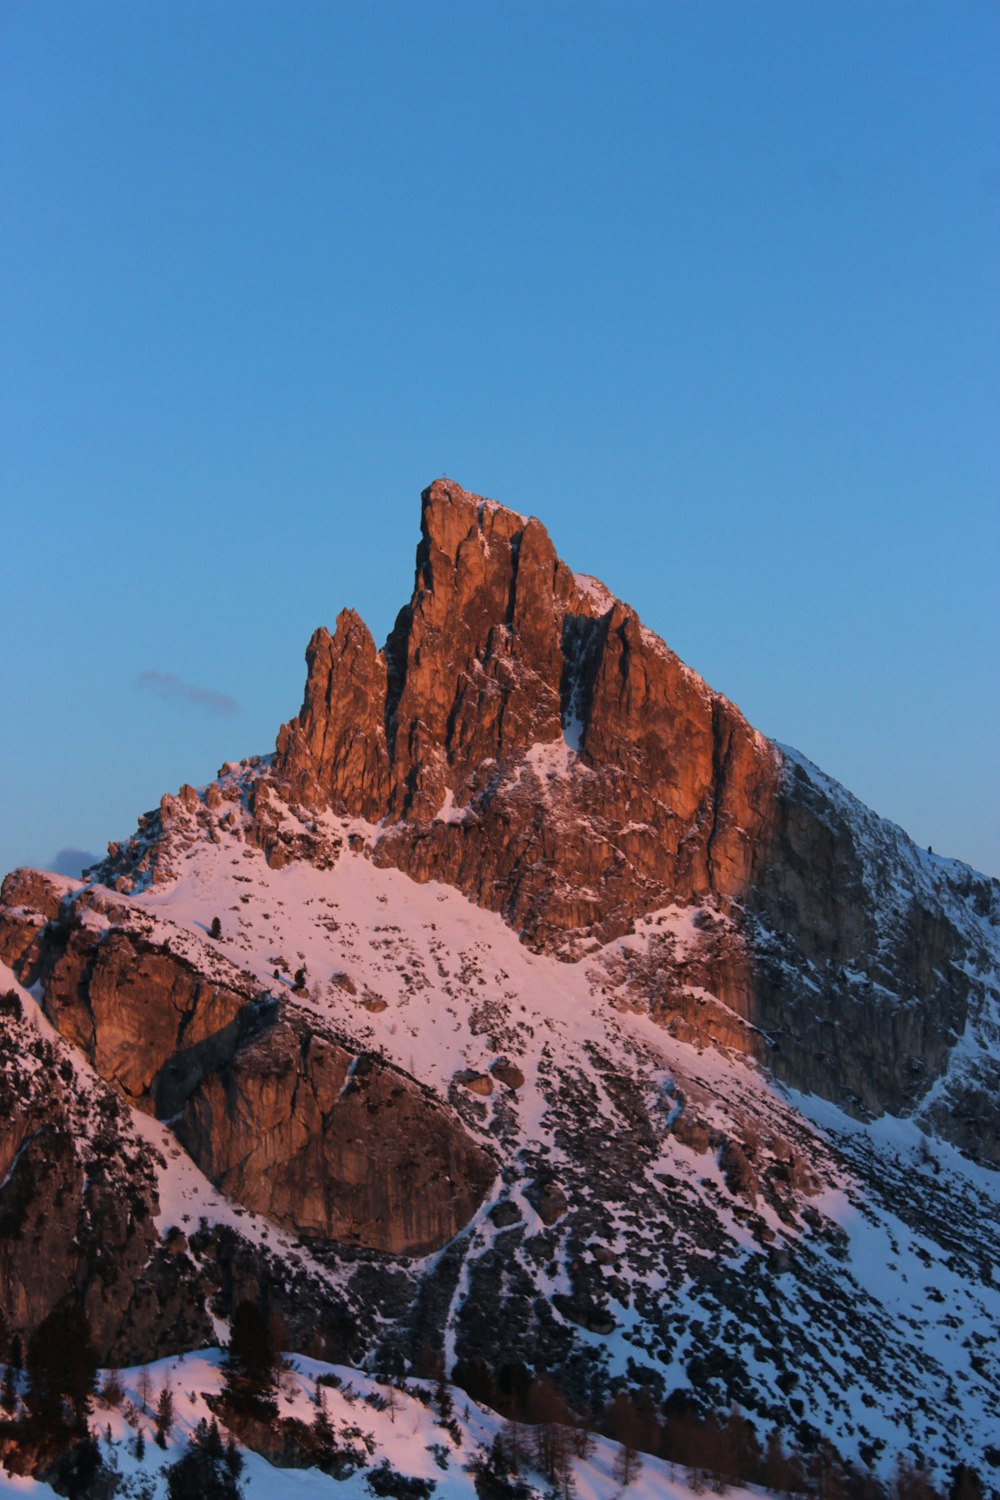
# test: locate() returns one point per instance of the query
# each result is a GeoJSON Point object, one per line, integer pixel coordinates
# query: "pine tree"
{"type": "Point", "coordinates": [442, 1400]}
{"type": "Point", "coordinates": [322, 1430]}
{"type": "Point", "coordinates": [164, 1415]}
{"type": "Point", "coordinates": [140, 1444]}
{"type": "Point", "coordinates": [62, 1370]}
{"type": "Point", "coordinates": [206, 1470]}
{"type": "Point", "coordinates": [250, 1366]}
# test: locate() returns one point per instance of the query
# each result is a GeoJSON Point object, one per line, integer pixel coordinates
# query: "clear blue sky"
{"type": "Point", "coordinates": [712, 288]}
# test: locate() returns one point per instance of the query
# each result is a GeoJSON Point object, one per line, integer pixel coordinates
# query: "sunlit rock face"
{"type": "Point", "coordinates": [523, 737]}
{"type": "Point", "coordinates": [527, 739]}
{"type": "Point", "coordinates": [322, 1139]}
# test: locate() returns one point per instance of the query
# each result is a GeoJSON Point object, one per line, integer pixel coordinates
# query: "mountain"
{"type": "Point", "coordinates": [525, 1007]}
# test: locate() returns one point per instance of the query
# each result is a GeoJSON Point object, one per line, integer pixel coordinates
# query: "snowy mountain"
{"type": "Point", "coordinates": [526, 1008]}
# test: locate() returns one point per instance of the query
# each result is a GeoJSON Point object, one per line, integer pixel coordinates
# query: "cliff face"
{"type": "Point", "coordinates": [319, 1137]}
{"type": "Point", "coordinates": [523, 737]}
{"type": "Point", "coordinates": [527, 740]}
{"type": "Point", "coordinates": [77, 1204]}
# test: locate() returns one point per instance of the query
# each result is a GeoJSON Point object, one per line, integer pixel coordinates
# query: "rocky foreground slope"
{"type": "Point", "coordinates": [554, 1015]}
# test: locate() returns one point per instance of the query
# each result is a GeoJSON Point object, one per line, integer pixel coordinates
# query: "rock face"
{"type": "Point", "coordinates": [523, 737]}
{"type": "Point", "coordinates": [320, 1138]}
{"type": "Point", "coordinates": [504, 673]}
{"type": "Point", "coordinates": [77, 1200]}
{"type": "Point", "coordinates": [334, 1145]}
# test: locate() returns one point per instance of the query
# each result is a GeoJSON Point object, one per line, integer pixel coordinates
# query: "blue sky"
{"type": "Point", "coordinates": [712, 288]}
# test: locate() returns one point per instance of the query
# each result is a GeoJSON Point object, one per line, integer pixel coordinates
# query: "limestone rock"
{"type": "Point", "coordinates": [547, 1198]}
{"type": "Point", "coordinates": [647, 784]}
{"type": "Point", "coordinates": [476, 1083]}
{"type": "Point", "coordinates": [325, 1141]}
{"type": "Point", "coordinates": [333, 1145]}
{"type": "Point", "coordinates": [508, 1073]}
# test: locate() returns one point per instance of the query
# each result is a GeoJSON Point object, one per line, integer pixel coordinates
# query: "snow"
{"type": "Point", "coordinates": [441, 965]}
{"type": "Point", "coordinates": [460, 991]}
{"type": "Point", "coordinates": [594, 590]}
{"type": "Point", "coordinates": [490, 507]}
{"type": "Point", "coordinates": [406, 1434]}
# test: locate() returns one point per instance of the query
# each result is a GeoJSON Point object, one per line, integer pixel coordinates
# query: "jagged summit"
{"type": "Point", "coordinates": [511, 691]}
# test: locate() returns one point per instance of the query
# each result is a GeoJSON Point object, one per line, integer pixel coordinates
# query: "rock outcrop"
{"type": "Point", "coordinates": [77, 1203]}
{"type": "Point", "coordinates": [334, 1145]}
{"type": "Point", "coordinates": [523, 737]}
{"type": "Point", "coordinates": [318, 1137]}
{"type": "Point", "coordinates": [526, 739]}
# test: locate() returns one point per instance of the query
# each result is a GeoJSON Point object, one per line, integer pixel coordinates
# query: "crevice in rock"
{"type": "Point", "coordinates": [721, 734]}
{"type": "Point", "coordinates": [583, 640]}
{"type": "Point", "coordinates": [515, 555]}
{"type": "Point", "coordinates": [395, 654]}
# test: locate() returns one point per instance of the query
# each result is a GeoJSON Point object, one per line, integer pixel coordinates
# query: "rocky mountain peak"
{"type": "Point", "coordinates": [401, 1124]}
{"type": "Point", "coordinates": [502, 662]}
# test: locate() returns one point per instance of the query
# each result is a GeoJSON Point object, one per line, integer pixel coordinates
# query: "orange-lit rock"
{"type": "Point", "coordinates": [585, 775]}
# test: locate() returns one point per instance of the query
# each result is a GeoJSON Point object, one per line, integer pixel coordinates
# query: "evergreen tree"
{"type": "Point", "coordinates": [8, 1392]}
{"type": "Point", "coordinates": [324, 1437]}
{"type": "Point", "coordinates": [164, 1415]}
{"type": "Point", "coordinates": [206, 1470]}
{"type": "Point", "coordinates": [965, 1484]}
{"type": "Point", "coordinates": [250, 1366]}
{"type": "Point", "coordinates": [442, 1400]}
{"type": "Point", "coordinates": [62, 1370]}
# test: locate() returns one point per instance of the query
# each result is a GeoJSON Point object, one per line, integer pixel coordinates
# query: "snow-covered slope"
{"type": "Point", "coordinates": [664, 1213]}
{"type": "Point", "coordinates": [380, 1424]}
